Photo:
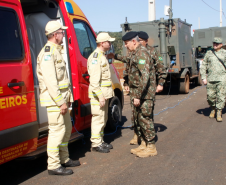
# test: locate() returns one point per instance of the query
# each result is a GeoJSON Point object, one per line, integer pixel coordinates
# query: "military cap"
{"type": "Point", "coordinates": [143, 35]}
{"type": "Point", "coordinates": [217, 40]}
{"type": "Point", "coordinates": [103, 37]}
{"type": "Point", "coordinates": [129, 35]}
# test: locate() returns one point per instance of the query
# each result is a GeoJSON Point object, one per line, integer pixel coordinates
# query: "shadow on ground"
{"type": "Point", "coordinates": [206, 111]}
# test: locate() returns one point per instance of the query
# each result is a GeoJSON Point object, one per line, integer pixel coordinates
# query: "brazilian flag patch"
{"type": "Point", "coordinates": [142, 61]}
{"type": "Point", "coordinates": [160, 58]}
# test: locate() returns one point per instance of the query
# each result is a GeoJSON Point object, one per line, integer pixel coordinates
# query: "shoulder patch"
{"type": "Point", "coordinates": [160, 58]}
{"type": "Point", "coordinates": [47, 49]}
{"type": "Point", "coordinates": [141, 61]}
{"type": "Point", "coordinates": [95, 55]}
{"type": "Point", "coordinates": [47, 57]}
{"type": "Point", "coordinates": [94, 61]}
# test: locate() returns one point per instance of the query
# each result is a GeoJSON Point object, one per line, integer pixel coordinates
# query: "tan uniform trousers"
{"type": "Point", "coordinates": [59, 134]}
{"type": "Point", "coordinates": [99, 120]}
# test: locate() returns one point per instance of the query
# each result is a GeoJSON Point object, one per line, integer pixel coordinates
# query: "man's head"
{"type": "Point", "coordinates": [104, 40]}
{"type": "Point", "coordinates": [55, 32]}
{"type": "Point", "coordinates": [217, 43]}
{"type": "Point", "coordinates": [143, 36]}
{"type": "Point", "coordinates": [131, 40]}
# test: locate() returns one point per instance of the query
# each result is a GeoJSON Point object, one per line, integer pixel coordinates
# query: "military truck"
{"type": "Point", "coordinates": [203, 41]}
{"type": "Point", "coordinates": [172, 38]}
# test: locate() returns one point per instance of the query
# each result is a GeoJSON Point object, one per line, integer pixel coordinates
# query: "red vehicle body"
{"type": "Point", "coordinates": [23, 122]}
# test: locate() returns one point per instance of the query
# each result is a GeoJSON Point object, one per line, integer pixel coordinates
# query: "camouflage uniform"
{"type": "Point", "coordinates": [216, 79]}
{"type": "Point", "coordinates": [158, 63]}
{"type": "Point", "coordinates": [159, 69]}
{"type": "Point", "coordinates": [140, 69]}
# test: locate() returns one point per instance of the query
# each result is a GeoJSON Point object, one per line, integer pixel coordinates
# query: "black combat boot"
{"type": "Point", "coordinates": [106, 145]}
{"type": "Point", "coordinates": [60, 171]}
{"type": "Point", "coordinates": [101, 148]}
{"type": "Point", "coordinates": [71, 163]}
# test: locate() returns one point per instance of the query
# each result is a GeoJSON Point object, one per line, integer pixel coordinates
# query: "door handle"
{"type": "Point", "coordinates": [85, 75]}
{"type": "Point", "coordinates": [16, 84]}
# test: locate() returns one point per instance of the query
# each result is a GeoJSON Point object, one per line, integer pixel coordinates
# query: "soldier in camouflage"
{"type": "Point", "coordinates": [142, 86]}
{"type": "Point", "coordinates": [216, 77]}
{"type": "Point", "coordinates": [159, 70]}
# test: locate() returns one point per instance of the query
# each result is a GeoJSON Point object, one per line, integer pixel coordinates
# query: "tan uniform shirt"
{"type": "Point", "coordinates": [53, 79]}
{"type": "Point", "coordinates": [100, 76]}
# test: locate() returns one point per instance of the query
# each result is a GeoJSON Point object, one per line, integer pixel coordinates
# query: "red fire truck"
{"type": "Point", "coordinates": [23, 122]}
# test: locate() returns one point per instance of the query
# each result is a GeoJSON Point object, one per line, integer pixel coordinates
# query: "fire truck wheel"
{"type": "Point", "coordinates": [114, 114]}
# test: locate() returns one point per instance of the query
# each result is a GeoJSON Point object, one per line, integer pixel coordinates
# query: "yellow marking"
{"type": "Point", "coordinates": [2, 103]}
{"type": "Point", "coordinates": [20, 100]}
{"type": "Point", "coordinates": [1, 90]}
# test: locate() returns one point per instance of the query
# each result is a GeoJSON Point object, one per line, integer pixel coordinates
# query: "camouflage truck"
{"type": "Point", "coordinates": [203, 41]}
{"type": "Point", "coordinates": [172, 38]}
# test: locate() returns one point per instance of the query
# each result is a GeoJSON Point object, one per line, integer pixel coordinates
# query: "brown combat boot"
{"type": "Point", "coordinates": [134, 140]}
{"type": "Point", "coordinates": [139, 148]}
{"type": "Point", "coordinates": [219, 115]}
{"type": "Point", "coordinates": [212, 113]}
{"type": "Point", "coordinates": [150, 150]}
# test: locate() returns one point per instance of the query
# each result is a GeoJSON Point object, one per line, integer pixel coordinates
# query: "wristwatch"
{"type": "Point", "coordinates": [161, 84]}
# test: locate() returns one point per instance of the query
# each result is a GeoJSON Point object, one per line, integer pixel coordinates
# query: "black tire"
{"type": "Point", "coordinates": [114, 114]}
{"type": "Point", "coordinates": [184, 84]}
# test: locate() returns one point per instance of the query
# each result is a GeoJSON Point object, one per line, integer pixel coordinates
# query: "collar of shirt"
{"type": "Point", "coordinates": [59, 47]}
{"type": "Point", "coordinates": [136, 50]}
{"type": "Point", "coordinates": [100, 51]}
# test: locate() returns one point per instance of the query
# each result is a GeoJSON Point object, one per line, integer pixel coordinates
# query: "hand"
{"type": "Point", "coordinates": [159, 89]}
{"type": "Point", "coordinates": [63, 109]}
{"type": "Point", "coordinates": [110, 55]}
{"type": "Point", "coordinates": [126, 88]}
{"type": "Point", "coordinates": [204, 81]}
{"type": "Point", "coordinates": [136, 102]}
{"type": "Point", "coordinates": [102, 102]}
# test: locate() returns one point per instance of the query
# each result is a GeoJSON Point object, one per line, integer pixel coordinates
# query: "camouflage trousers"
{"type": "Point", "coordinates": [142, 119]}
{"type": "Point", "coordinates": [216, 92]}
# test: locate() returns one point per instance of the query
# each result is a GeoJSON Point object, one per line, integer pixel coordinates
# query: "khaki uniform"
{"type": "Point", "coordinates": [54, 91]}
{"type": "Point", "coordinates": [100, 87]}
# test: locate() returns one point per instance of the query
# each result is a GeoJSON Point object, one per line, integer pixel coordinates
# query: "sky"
{"type": "Point", "coordinates": [106, 15]}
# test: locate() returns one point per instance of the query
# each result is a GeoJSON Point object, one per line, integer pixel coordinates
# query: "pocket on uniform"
{"type": "Point", "coordinates": [60, 69]}
{"type": "Point", "coordinates": [134, 78]}
{"type": "Point", "coordinates": [53, 117]}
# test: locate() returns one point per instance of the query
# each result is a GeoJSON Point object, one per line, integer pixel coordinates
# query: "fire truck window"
{"type": "Point", "coordinates": [92, 39]}
{"type": "Point", "coordinates": [11, 47]}
{"type": "Point", "coordinates": [83, 38]}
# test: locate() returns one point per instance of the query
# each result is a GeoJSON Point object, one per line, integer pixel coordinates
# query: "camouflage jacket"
{"type": "Point", "coordinates": [140, 69]}
{"type": "Point", "coordinates": [212, 67]}
{"type": "Point", "coordinates": [158, 63]}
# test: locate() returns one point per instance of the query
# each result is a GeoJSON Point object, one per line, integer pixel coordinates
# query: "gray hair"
{"type": "Point", "coordinates": [136, 38]}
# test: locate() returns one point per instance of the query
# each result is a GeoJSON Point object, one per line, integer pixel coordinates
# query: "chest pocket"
{"type": "Point", "coordinates": [60, 69]}
{"type": "Point", "coordinates": [105, 71]}
{"type": "Point", "coordinates": [134, 77]}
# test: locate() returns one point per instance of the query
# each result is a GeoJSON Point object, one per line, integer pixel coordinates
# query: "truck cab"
{"type": "Point", "coordinates": [23, 120]}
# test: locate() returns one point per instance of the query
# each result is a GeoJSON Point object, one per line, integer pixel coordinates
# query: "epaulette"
{"type": "Point", "coordinates": [95, 55]}
{"type": "Point", "coordinates": [47, 49]}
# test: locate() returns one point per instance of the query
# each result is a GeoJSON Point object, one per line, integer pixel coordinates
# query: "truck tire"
{"type": "Point", "coordinates": [198, 80]}
{"type": "Point", "coordinates": [114, 114]}
{"type": "Point", "coordinates": [184, 84]}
